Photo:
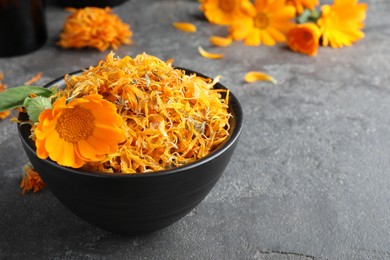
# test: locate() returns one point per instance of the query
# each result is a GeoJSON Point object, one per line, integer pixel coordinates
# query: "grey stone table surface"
{"type": "Point", "coordinates": [310, 178]}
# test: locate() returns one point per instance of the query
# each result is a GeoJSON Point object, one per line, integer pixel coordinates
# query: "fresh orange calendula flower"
{"type": "Point", "coordinates": [341, 23]}
{"type": "Point", "coordinates": [225, 12]}
{"type": "Point", "coordinates": [268, 26]}
{"type": "Point", "coordinates": [31, 181]}
{"type": "Point", "coordinates": [85, 129]}
{"type": "Point", "coordinates": [94, 28]}
{"type": "Point", "coordinates": [3, 87]}
{"type": "Point", "coordinates": [300, 5]}
{"type": "Point", "coordinates": [253, 76]}
{"type": "Point", "coordinates": [304, 38]}
{"type": "Point", "coordinates": [209, 55]}
{"type": "Point", "coordinates": [185, 27]}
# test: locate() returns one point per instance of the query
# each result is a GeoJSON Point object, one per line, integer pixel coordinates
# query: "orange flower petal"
{"type": "Point", "coordinates": [209, 55]}
{"type": "Point", "coordinates": [185, 27]}
{"type": "Point", "coordinates": [221, 41]}
{"type": "Point", "coordinates": [34, 79]}
{"type": "Point", "coordinates": [253, 76]}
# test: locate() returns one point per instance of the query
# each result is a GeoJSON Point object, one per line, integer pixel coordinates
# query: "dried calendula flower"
{"type": "Point", "coordinates": [209, 55]}
{"type": "Point", "coordinates": [253, 76]}
{"type": "Point", "coordinates": [185, 27]}
{"type": "Point", "coordinates": [221, 41]}
{"type": "Point", "coordinates": [95, 28]}
{"type": "Point", "coordinates": [31, 181]}
{"type": "Point", "coordinates": [3, 87]}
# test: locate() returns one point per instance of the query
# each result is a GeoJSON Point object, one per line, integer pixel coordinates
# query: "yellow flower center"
{"type": "Point", "coordinates": [261, 21]}
{"type": "Point", "coordinates": [227, 5]}
{"type": "Point", "coordinates": [75, 124]}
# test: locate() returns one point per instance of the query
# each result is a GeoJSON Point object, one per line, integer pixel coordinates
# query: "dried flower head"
{"type": "Point", "coordinates": [94, 28]}
{"type": "Point", "coordinates": [31, 181]}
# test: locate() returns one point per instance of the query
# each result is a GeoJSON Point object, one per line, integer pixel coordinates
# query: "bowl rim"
{"type": "Point", "coordinates": [235, 131]}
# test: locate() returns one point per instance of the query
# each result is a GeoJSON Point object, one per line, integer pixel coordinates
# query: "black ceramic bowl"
{"type": "Point", "coordinates": [135, 203]}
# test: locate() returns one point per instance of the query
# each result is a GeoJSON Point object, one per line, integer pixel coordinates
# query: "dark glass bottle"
{"type": "Point", "coordinates": [84, 3]}
{"type": "Point", "coordinates": [22, 26]}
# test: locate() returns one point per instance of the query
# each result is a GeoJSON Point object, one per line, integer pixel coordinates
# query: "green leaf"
{"type": "Point", "coordinates": [308, 16]}
{"type": "Point", "coordinates": [35, 106]}
{"type": "Point", "coordinates": [14, 97]}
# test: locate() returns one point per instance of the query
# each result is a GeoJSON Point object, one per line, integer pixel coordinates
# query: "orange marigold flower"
{"type": "Point", "coordinates": [85, 129]}
{"type": "Point", "coordinates": [95, 28]}
{"type": "Point", "coordinates": [304, 38]}
{"type": "Point", "coordinates": [268, 26]}
{"type": "Point", "coordinates": [31, 181]}
{"type": "Point", "coordinates": [226, 12]}
{"type": "Point", "coordinates": [3, 87]}
{"type": "Point", "coordinates": [341, 23]}
{"type": "Point", "coordinates": [300, 5]}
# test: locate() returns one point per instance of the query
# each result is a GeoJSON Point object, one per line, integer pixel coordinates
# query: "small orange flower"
{"type": "Point", "coordinates": [268, 26]}
{"type": "Point", "coordinates": [341, 23]}
{"type": "Point", "coordinates": [225, 12]}
{"type": "Point", "coordinates": [3, 87]}
{"type": "Point", "coordinates": [304, 38]}
{"type": "Point", "coordinates": [300, 5]}
{"type": "Point", "coordinates": [95, 28]}
{"type": "Point", "coordinates": [85, 129]}
{"type": "Point", "coordinates": [31, 181]}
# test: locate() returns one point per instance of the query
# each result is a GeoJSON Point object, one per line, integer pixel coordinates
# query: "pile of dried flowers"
{"type": "Point", "coordinates": [94, 27]}
{"type": "Point", "coordinates": [126, 116]}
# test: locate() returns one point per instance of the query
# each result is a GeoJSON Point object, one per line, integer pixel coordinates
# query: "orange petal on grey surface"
{"type": "Point", "coordinates": [185, 27]}
{"type": "Point", "coordinates": [209, 55]}
{"type": "Point", "coordinates": [254, 76]}
{"type": "Point", "coordinates": [220, 41]}
{"type": "Point", "coordinates": [34, 79]}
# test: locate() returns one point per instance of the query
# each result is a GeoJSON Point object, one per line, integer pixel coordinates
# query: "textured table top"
{"type": "Point", "coordinates": [310, 178]}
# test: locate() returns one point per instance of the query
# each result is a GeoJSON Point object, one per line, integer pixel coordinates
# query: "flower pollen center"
{"type": "Point", "coordinates": [75, 124]}
{"type": "Point", "coordinates": [226, 5]}
{"type": "Point", "coordinates": [261, 21]}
